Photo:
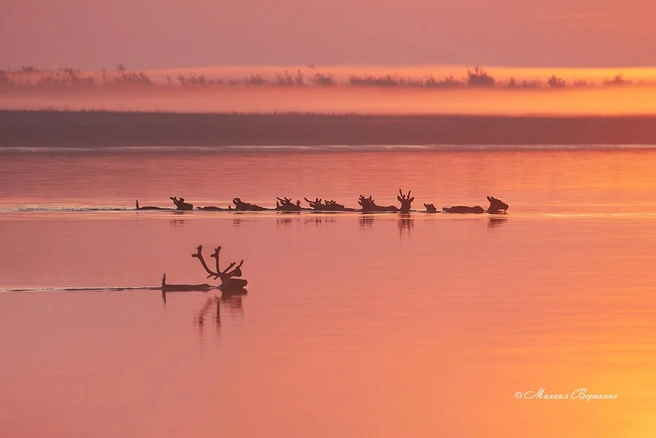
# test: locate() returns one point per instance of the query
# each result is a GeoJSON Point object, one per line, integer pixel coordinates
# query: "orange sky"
{"type": "Point", "coordinates": [92, 34]}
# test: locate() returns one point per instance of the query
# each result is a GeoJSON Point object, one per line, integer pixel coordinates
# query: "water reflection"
{"type": "Point", "coordinates": [210, 312]}
{"type": "Point", "coordinates": [496, 222]}
{"type": "Point", "coordinates": [176, 222]}
{"type": "Point", "coordinates": [366, 221]}
{"type": "Point", "coordinates": [582, 316]}
{"type": "Point", "coordinates": [318, 220]}
{"type": "Point", "coordinates": [234, 303]}
{"type": "Point", "coordinates": [405, 224]}
{"type": "Point", "coordinates": [285, 221]}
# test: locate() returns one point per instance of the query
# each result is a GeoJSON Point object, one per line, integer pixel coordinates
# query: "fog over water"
{"type": "Point", "coordinates": [221, 89]}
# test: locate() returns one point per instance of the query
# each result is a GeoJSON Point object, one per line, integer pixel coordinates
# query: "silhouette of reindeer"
{"type": "Point", "coordinates": [325, 206]}
{"type": "Point", "coordinates": [430, 208]}
{"type": "Point", "coordinates": [496, 207]}
{"type": "Point", "coordinates": [228, 282]}
{"type": "Point", "coordinates": [405, 201]}
{"type": "Point", "coordinates": [369, 205]}
{"type": "Point", "coordinates": [286, 204]}
{"type": "Point", "coordinates": [245, 206]}
{"type": "Point", "coordinates": [180, 204]}
{"type": "Point", "coordinates": [148, 207]}
{"type": "Point", "coordinates": [184, 287]}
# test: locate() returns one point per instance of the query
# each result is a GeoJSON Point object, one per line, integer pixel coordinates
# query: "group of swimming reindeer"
{"type": "Point", "coordinates": [367, 205]}
{"type": "Point", "coordinates": [231, 283]}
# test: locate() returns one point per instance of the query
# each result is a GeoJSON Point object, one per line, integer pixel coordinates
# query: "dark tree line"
{"type": "Point", "coordinates": [32, 77]}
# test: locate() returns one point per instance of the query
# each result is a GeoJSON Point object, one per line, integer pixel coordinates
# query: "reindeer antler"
{"type": "Point", "coordinates": [199, 256]}
{"type": "Point", "coordinates": [314, 204]}
{"type": "Point", "coordinates": [224, 272]}
{"type": "Point", "coordinates": [235, 272]}
{"type": "Point", "coordinates": [404, 197]}
{"type": "Point", "coordinates": [405, 201]}
{"type": "Point", "coordinates": [216, 256]}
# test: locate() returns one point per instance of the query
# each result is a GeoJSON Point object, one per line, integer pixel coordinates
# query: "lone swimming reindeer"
{"type": "Point", "coordinates": [229, 283]}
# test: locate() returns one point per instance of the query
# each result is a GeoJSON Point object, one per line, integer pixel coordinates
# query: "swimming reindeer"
{"type": "Point", "coordinates": [496, 207]}
{"type": "Point", "coordinates": [180, 204]}
{"type": "Point", "coordinates": [369, 205]}
{"type": "Point", "coordinates": [245, 206]}
{"type": "Point", "coordinates": [331, 205]}
{"type": "Point", "coordinates": [286, 204]}
{"type": "Point", "coordinates": [229, 283]}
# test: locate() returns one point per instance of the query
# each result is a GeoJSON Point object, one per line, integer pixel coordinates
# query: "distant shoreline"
{"type": "Point", "coordinates": [107, 129]}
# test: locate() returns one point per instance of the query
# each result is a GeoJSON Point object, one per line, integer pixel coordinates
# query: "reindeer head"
{"type": "Point", "coordinates": [314, 204]}
{"type": "Point", "coordinates": [366, 203]}
{"type": "Point", "coordinates": [430, 208]}
{"type": "Point", "coordinates": [405, 201]}
{"type": "Point", "coordinates": [496, 206]}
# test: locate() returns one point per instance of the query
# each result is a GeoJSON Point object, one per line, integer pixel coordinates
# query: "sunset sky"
{"type": "Point", "coordinates": [145, 34]}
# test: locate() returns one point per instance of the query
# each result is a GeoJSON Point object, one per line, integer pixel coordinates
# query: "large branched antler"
{"type": "Point", "coordinates": [235, 272]}
{"type": "Point", "coordinates": [228, 283]}
{"type": "Point", "coordinates": [366, 202]}
{"type": "Point", "coordinates": [199, 256]}
{"type": "Point", "coordinates": [223, 274]}
{"type": "Point", "coordinates": [405, 201]}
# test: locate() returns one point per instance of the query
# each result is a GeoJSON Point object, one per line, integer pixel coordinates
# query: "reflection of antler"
{"type": "Point", "coordinates": [209, 304]}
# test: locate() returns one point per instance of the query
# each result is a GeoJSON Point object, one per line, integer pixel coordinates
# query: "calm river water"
{"type": "Point", "coordinates": [354, 325]}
